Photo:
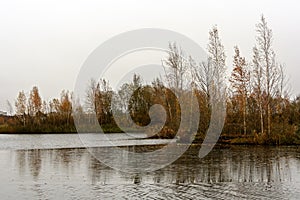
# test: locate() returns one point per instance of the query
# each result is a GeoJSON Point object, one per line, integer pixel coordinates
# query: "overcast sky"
{"type": "Point", "coordinates": [44, 43]}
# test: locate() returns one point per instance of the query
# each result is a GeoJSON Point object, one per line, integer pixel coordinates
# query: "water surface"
{"type": "Point", "coordinates": [69, 172]}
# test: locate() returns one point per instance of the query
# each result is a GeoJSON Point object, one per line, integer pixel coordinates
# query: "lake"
{"type": "Point", "coordinates": [58, 166]}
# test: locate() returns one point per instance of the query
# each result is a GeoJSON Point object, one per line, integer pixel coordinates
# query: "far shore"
{"type": "Point", "coordinates": [223, 140]}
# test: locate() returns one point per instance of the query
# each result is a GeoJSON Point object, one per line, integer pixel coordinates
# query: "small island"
{"type": "Point", "coordinates": [259, 107]}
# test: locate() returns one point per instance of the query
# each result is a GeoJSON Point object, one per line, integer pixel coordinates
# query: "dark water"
{"type": "Point", "coordinates": [236, 172]}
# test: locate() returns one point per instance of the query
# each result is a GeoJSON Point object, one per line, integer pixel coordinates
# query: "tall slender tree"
{"type": "Point", "coordinates": [240, 80]}
{"type": "Point", "coordinates": [268, 65]}
{"type": "Point", "coordinates": [66, 106]}
{"type": "Point", "coordinates": [216, 58]}
{"type": "Point", "coordinates": [34, 101]}
{"type": "Point", "coordinates": [175, 67]}
{"type": "Point", "coordinates": [258, 85]}
{"type": "Point", "coordinates": [9, 107]}
{"type": "Point", "coordinates": [21, 107]}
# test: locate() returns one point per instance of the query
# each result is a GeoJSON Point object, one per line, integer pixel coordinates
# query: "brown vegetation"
{"type": "Point", "coordinates": [259, 108]}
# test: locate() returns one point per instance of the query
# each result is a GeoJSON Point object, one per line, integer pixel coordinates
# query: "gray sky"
{"type": "Point", "coordinates": [44, 43]}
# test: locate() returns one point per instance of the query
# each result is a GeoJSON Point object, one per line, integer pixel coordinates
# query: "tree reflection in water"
{"type": "Point", "coordinates": [227, 172]}
{"type": "Point", "coordinates": [232, 164]}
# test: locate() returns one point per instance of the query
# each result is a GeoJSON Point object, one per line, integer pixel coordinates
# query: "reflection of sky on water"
{"type": "Point", "coordinates": [236, 172]}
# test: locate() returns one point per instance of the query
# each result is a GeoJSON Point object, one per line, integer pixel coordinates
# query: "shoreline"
{"type": "Point", "coordinates": [221, 142]}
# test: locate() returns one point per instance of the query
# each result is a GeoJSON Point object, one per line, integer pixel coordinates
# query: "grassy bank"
{"type": "Point", "coordinates": [13, 125]}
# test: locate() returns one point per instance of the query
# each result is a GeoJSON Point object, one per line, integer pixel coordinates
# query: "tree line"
{"type": "Point", "coordinates": [259, 108]}
{"type": "Point", "coordinates": [32, 114]}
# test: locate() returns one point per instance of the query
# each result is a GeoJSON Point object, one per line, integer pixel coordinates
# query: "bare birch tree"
{"type": "Point", "coordinates": [9, 107]}
{"type": "Point", "coordinates": [20, 105]}
{"type": "Point", "coordinates": [258, 85]}
{"type": "Point", "coordinates": [216, 57]}
{"type": "Point", "coordinates": [212, 71]}
{"type": "Point", "coordinates": [175, 66]}
{"type": "Point", "coordinates": [268, 64]}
